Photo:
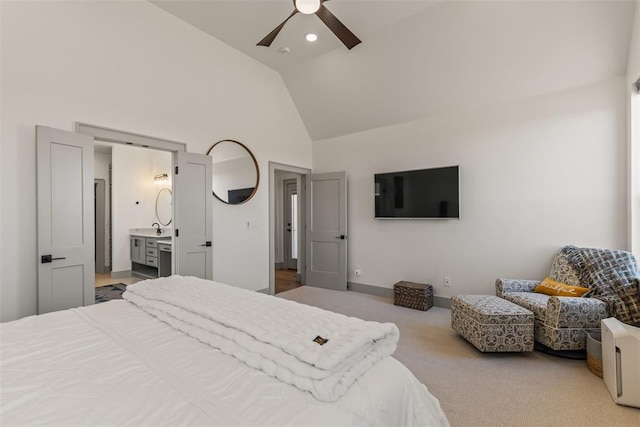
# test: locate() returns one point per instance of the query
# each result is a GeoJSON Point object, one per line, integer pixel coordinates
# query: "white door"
{"type": "Point", "coordinates": [65, 220]}
{"type": "Point", "coordinates": [326, 264]}
{"type": "Point", "coordinates": [193, 215]}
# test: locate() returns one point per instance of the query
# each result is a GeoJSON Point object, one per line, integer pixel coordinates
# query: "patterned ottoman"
{"type": "Point", "coordinates": [491, 323]}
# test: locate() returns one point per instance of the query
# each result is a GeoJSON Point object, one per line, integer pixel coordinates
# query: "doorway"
{"type": "Point", "coordinates": [286, 248]}
{"type": "Point", "coordinates": [287, 275]}
{"type": "Point", "coordinates": [66, 230]}
{"type": "Point", "coordinates": [322, 228]}
{"type": "Point", "coordinates": [190, 175]}
{"type": "Point", "coordinates": [129, 181]}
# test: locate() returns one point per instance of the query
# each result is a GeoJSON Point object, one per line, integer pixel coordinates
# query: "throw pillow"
{"type": "Point", "coordinates": [550, 287]}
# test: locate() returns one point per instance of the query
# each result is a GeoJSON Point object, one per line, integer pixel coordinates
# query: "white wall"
{"type": "Point", "coordinates": [131, 66]}
{"type": "Point", "coordinates": [101, 162]}
{"type": "Point", "coordinates": [633, 74]}
{"type": "Point", "coordinates": [633, 69]}
{"type": "Point", "coordinates": [134, 195]}
{"type": "Point", "coordinates": [535, 174]}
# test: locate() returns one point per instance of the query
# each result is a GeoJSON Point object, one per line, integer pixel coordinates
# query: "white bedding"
{"type": "Point", "coordinates": [318, 351]}
{"type": "Point", "coordinates": [113, 364]}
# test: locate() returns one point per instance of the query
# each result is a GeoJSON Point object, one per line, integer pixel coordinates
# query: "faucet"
{"type": "Point", "coordinates": [158, 231]}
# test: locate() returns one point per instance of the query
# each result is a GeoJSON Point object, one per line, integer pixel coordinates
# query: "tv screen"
{"type": "Point", "coordinates": [240, 195]}
{"type": "Point", "coordinates": [424, 193]}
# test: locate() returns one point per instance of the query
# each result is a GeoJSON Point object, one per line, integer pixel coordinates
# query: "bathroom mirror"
{"type": "Point", "coordinates": [164, 208]}
{"type": "Point", "coordinates": [235, 172]}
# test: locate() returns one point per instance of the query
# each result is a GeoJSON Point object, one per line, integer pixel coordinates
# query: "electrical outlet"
{"type": "Point", "coordinates": [447, 281]}
{"type": "Point", "coordinates": [357, 271]}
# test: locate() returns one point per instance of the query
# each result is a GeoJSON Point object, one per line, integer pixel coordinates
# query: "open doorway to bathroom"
{"type": "Point", "coordinates": [127, 183]}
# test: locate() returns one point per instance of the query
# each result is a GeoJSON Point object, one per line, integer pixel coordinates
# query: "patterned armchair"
{"type": "Point", "coordinates": [561, 323]}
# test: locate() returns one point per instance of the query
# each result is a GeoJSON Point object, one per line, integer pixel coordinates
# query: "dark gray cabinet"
{"type": "Point", "coordinates": [138, 247]}
{"type": "Point", "coordinates": [147, 260]}
{"type": "Point", "coordinates": [164, 259]}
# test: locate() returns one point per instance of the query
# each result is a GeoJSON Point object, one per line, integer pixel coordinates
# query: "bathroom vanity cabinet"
{"type": "Point", "coordinates": [137, 250]}
{"type": "Point", "coordinates": [150, 256]}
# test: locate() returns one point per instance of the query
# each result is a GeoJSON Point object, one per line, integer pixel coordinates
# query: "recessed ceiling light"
{"type": "Point", "coordinates": [311, 37]}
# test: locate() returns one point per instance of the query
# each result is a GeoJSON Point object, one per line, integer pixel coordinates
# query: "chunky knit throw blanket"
{"type": "Point", "coordinates": [314, 350]}
{"type": "Point", "coordinates": [612, 276]}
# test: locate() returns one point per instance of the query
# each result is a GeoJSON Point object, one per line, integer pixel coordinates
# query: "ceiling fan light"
{"type": "Point", "coordinates": [307, 6]}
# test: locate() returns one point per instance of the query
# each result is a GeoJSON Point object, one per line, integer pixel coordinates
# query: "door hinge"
{"type": "Point", "coordinates": [177, 233]}
{"type": "Point", "coordinates": [176, 170]}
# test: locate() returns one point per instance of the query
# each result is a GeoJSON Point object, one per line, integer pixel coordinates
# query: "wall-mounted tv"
{"type": "Point", "coordinates": [424, 193]}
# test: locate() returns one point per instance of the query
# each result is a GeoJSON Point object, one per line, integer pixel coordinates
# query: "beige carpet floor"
{"type": "Point", "coordinates": [483, 389]}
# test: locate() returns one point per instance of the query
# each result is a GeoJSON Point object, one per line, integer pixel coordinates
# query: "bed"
{"type": "Point", "coordinates": [127, 363]}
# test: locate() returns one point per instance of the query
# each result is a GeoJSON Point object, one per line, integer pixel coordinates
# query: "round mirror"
{"type": "Point", "coordinates": [235, 172]}
{"type": "Point", "coordinates": [163, 206]}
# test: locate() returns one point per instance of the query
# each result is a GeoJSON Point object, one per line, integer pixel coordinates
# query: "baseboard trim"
{"type": "Point", "coordinates": [371, 290]}
{"type": "Point", "coordinates": [263, 291]}
{"type": "Point", "coordinates": [442, 302]}
{"type": "Point", "coordinates": [279, 265]}
{"type": "Point", "coordinates": [120, 274]}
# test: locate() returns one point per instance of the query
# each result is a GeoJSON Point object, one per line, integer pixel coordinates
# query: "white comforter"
{"type": "Point", "coordinates": [113, 364]}
{"type": "Point", "coordinates": [283, 338]}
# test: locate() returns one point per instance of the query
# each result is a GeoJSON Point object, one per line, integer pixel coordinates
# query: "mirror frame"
{"type": "Point", "coordinates": [158, 198]}
{"type": "Point", "coordinates": [255, 163]}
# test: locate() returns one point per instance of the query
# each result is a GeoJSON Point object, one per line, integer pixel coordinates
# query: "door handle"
{"type": "Point", "coordinates": [45, 259]}
{"type": "Point", "coordinates": [341, 237]}
{"type": "Point", "coordinates": [206, 244]}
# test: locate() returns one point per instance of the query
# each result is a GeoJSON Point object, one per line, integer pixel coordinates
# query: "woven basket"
{"type": "Point", "coordinates": [418, 296]}
{"type": "Point", "coordinates": [594, 353]}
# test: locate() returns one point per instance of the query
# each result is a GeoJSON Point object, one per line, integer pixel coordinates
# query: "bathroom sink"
{"type": "Point", "coordinates": [166, 233]}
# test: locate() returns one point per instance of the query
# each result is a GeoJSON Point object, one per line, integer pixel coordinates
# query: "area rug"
{"type": "Point", "coordinates": [109, 292]}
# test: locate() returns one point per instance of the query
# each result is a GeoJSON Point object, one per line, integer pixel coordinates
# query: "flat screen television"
{"type": "Point", "coordinates": [238, 196]}
{"type": "Point", "coordinates": [424, 193]}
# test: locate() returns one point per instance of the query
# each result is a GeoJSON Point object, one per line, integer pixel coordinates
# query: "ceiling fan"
{"type": "Point", "coordinates": [309, 7]}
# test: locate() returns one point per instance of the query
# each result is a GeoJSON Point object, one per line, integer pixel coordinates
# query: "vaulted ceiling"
{"type": "Point", "coordinates": [421, 58]}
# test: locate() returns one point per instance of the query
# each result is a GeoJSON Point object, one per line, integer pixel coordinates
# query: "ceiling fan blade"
{"type": "Point", "coordinates": [272, 35]}
{"type": "Point", "coordinates": [343, 33]}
